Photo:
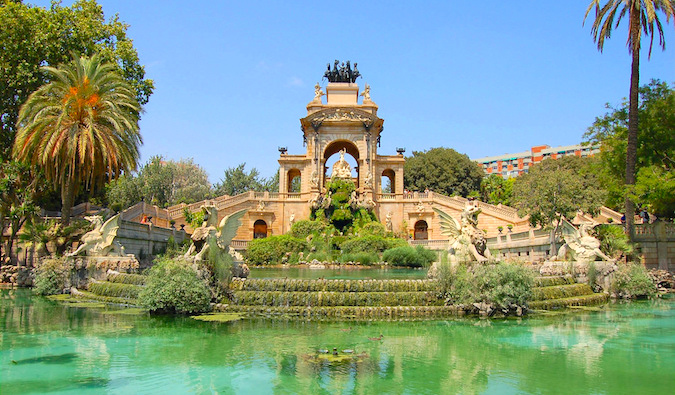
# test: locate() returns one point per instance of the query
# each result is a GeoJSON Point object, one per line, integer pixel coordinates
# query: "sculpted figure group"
{"type": "Point", "coordinates": [341, 73]}
{"type": "Point", "coordinates": [467, 242]}
{"type": "Point", "coordinates": [101, 240]}
{"type": "Point", "coordinates": [212, 233]}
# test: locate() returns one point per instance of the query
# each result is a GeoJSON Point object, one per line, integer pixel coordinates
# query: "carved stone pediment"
{"type": "Point", "coordinates": [341, 114]}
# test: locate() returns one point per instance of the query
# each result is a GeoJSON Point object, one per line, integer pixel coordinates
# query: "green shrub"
{"type": "Point", "coordinates": [631, 281]}
{"type": "Point", "coordinates": [319, 256]}
{"type": "Point", "coordinates": [364, 258]}
{"type": "Point", "coordinates": [369, 243]}
{"type": "Point", "coordinates": [373, 228]}
{"type": "Point", "coordinates": [271, 250]}
{"type": "Point", "coordinates": [174, 287]}
{"type": "Point", "coordinates": [304, 228]}
{"type": "Point", "coordinates": [454, 284]}
{"type": "Point", "coordinates": [409, 256]}
{"type": "Point", "coordinates": [52, 276]}
{"type": "Point", "coordinates": [613, 241]}
{"type": "Point", "coordinates": [503, 284]}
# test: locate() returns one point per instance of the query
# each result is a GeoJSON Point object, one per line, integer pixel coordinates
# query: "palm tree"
{"type": "Point", "coordinates": [642, 17]}
{"type": "Point", "coordinates": [81, 128]}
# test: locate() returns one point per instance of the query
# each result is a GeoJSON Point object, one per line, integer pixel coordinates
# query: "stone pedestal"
{"type": "Point", "coordinates": [342, 94]}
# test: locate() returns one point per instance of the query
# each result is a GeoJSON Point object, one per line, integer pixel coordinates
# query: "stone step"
{"type": "Point", "coordinates": [560, 291]}
{"type": "Point", "coordinates": [117, 290]}
{"type": "Point", "coordinates": [125, 278]}
{"type": "Point", "coordinates": [316, 285]}
{"type": "Point", "coordinates": [333, 299]}
{"type": "Point", "coordinates": [100, 298]}
{"type": "Point", "coordinates": [346, 312]}
{"type": "Point", "coordinates": [583, 300]}
{"type": "Point", "coordinates": [547, 281]}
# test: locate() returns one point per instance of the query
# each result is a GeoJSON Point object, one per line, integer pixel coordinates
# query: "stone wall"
{"type": "Point", "coordinates": [144, 240]}
{"type": "Point", "coordinates": [656, 245]}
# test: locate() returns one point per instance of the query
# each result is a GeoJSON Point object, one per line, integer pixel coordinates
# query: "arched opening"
{"type": "Point", "coordinates": [388, 181]}
{"type": "Point", "coordinates": [293, 181]}
{"type": "Point", "coordinates": [259, 229]}
{"type": "Point", "coordinates": [331, 156]}
{"type": "Point", "coordinates": [421, 230]}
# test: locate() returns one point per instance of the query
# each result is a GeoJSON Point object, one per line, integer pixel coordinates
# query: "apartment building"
{"type": "Point", "coordinates": [512, 165]}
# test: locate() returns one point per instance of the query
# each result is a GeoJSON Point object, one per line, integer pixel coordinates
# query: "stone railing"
{"type": "Point", "coordinates": [294, 195]}
{"type": "Point", "coordinates": [386, 196]}
{"type": "Point", "coordinates": [239, 245]}
{"type": "Point", "coordinates": [146, 239]}
{"type": "Point", "coordinates": [430, 244]}
{"type": "Point", "coordinates": [660, 231]}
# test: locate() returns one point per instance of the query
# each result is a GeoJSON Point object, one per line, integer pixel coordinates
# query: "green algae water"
{"type": "Point", "coordinates": [47, 347]}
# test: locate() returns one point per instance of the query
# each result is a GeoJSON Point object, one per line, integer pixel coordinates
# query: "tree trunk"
{"type": "Point", "coordinates": [631, 147]}
{"type": "Point", "coordinates": [67, 192]}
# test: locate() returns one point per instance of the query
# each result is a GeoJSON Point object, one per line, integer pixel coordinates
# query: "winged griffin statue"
{"type": "Point", "coordinates": [211, 231]}
{"type": "Point", "coordinates": [101, 240]}
{"type": "Point", "coordinates": [579, 245]}
{"type": "Point", "coordinates": [467, 242]}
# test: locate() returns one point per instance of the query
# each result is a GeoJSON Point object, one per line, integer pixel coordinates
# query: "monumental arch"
{"type": "Point", "coordinates": [344, 120]}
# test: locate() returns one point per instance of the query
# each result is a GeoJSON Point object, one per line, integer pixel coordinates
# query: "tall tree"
{"type": "Point", "coordinates": [32, 36]}
{"type": "Point", "coordinates": [18, 190]}
{"type": "Point", "coordinates": [81, 128]}
{"type": "Point", "coordinates": [236, 180]}
{"type": "Point", "coordinates": [442, 170]}
{"type": "Point", "coordinates": [655, 163]}
{"type": "Point", "coordinates": [494, 189]}
{"type": "Point", "coordinates": [160, 182]}
{"type": "Point", "coordinates": [642, 18]}
{"type": "Point", "coordinates": [555, 189]}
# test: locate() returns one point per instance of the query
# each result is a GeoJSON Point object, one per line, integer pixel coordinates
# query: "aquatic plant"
{"type": "Point", "coordinates": [174, 287]}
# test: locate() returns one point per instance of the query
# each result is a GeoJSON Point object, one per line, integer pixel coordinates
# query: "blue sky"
{"type": "Point", "coordinates": [484, 78]}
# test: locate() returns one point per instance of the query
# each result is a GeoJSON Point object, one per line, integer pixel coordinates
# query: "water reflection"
{"type": "Point", "coordinates": [616, 349]}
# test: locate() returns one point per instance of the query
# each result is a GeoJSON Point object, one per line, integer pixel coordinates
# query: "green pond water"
{"type": "Point", "coordinates": [338, 273]}
{"type": "Point", "coordinates": [47, 347]}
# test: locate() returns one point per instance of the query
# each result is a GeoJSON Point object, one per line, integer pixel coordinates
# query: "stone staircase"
{"type": "Point", "coordinates": [361, 299]}
{"type": "Point", "coordinates": [554, 292]}
{"type": "Point", "coordinates": [320, 298]}
{"type": "Point", "coordinates": [118, 288]}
